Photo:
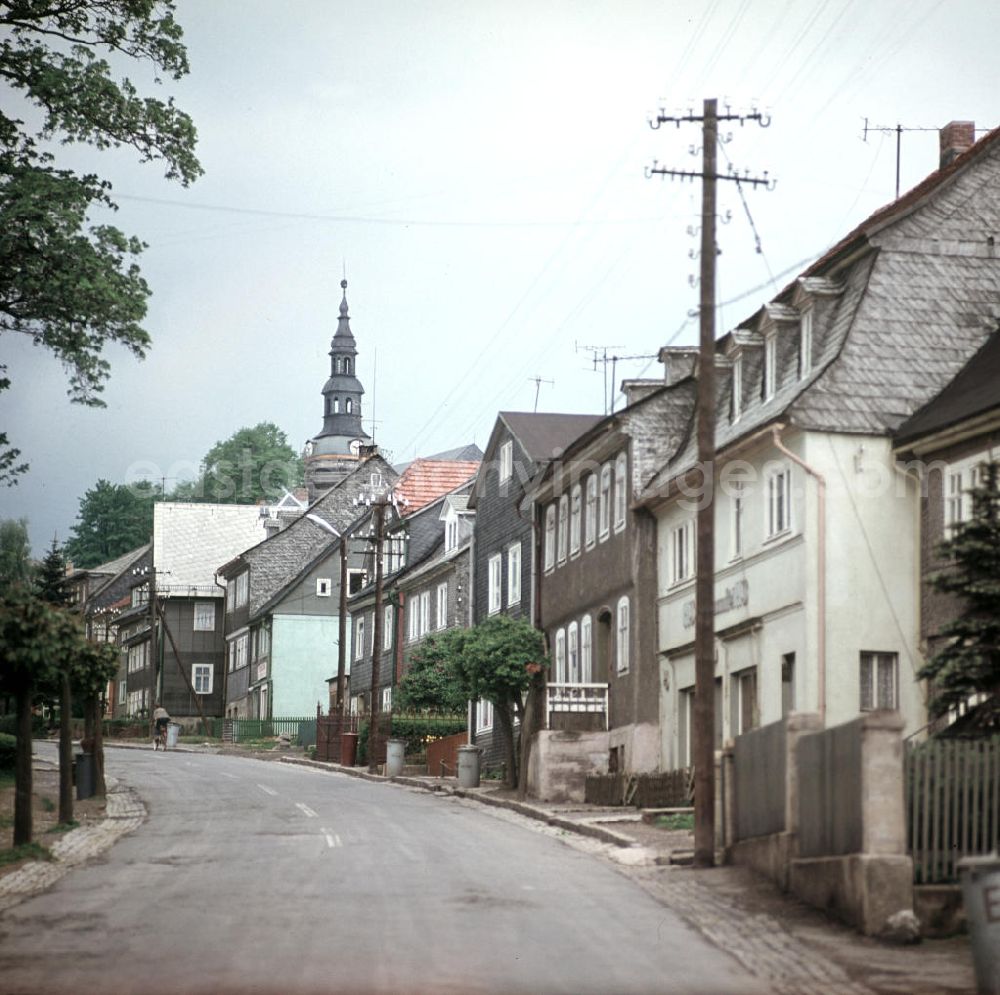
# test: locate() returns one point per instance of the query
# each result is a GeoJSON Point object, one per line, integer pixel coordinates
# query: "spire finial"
{"type": "Point", "coordinates": [343, 303]}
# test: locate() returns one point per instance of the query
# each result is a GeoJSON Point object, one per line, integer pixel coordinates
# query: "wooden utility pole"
{"type": "Point", "coordinates": [381, 503]}
{"type": "Point", "coordinates": [703, 746]}
{"type": "Point", "coordinates": [154, 656]}
{"type": "Point", "coordinates": [342, 627]}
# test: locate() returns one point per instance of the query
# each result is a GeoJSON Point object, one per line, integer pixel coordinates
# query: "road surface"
{"type": "Point", "coordinates": [252, 876]}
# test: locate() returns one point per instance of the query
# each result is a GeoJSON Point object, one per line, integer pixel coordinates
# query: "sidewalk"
{"type": "Point", "coordinates": [794, 948]}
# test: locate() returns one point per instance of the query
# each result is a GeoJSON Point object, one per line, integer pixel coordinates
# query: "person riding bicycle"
{"type": "Point", "coordinates": [162, 719]}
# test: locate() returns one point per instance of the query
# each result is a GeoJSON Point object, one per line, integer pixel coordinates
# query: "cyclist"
{"type": "Point", "coordinates": [162, 719]}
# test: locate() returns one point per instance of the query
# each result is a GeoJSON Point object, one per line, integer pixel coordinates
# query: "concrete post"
{"type": "Point", "coordinates": [883, 807]}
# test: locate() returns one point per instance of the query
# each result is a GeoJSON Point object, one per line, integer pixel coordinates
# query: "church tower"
{"type": "Point", "coordinates": [342, 442]}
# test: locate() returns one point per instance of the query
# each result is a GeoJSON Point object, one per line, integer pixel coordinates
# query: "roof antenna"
{"type": "Point", "coordinates": [538, 381]}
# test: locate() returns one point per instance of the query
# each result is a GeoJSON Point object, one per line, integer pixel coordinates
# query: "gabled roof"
{"type": "Point", "coordinates": [545, 436]}
{"type": "Point", "coordinates": [974, 391]}
{"type": "Point", "coordinates": [425, 480]}
{"type": "Point", "coordinates": [113, 567]}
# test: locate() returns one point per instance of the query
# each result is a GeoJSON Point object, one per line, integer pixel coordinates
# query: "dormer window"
{"type": "Point", "coordinates": [769, 375]}
{"type": "Point", "coordinates": [805, 342]}
{"type": "Point", "coordinates": [736, 404]}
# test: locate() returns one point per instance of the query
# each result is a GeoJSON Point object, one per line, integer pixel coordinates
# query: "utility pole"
{"type": "Point", "coordinates": [381, 503]}
{"type": "Point", "coordinates": [704, 638]}
{"type": "Point", "coordinates": [342, 628]}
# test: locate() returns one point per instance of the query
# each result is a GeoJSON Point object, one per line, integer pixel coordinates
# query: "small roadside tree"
{"type": "Point", "coordinates": [93, 665]}
{"type": "Point", "coordinates": [496, 660]}
{"type": "Point", "coordinates": [969, 663]}
{"type": "Point", "coordinates": [431, 682]}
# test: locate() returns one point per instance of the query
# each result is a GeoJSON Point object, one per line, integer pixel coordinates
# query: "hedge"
{"type": "Point", "coordinates": [8, 724]}
{"type": "Point", "coordinates": [415, 730]}
{"type": "Point", "coordinates": [8, 751]}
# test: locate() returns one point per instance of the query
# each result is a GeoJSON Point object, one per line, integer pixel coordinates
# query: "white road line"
{"type": "Point", "coordinates": [306, 810]}
{"type": "Point", "coordinates": [232, 777]}
{"type": "Point", "coordinates": [332, 839]}
{"type": "Point", "coordinates": [266, 789]}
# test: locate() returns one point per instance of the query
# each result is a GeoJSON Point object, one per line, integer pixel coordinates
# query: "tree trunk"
{"type": "Point", "coordinates": [65, 750]}
{"type": "Point", "coordinates": [531, 722]}
{"type": "Point", "coordinates": [22, 769]}
{"type": "Point", "coordinates": [99, 786]}
{"type": "Point", "coordinates": [507, 729]}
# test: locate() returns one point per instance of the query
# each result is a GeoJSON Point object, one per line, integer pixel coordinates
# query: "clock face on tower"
{"type": "Point", "coordinates": [355, 446]}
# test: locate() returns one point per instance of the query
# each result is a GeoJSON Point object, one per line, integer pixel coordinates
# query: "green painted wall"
{"type": "Point", "coordinates": [303, 659]}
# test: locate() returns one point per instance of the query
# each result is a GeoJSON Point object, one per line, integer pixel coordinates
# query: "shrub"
{"type": "Point", "coordinates": [8, 725]}
{"type": "Point", "coordinates": [8, 751]}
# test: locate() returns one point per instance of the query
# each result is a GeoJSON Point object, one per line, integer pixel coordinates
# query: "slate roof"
{"type": "Point", "coordinates": [901, 304]}
{"type": "Point", "coordinates": [467, 453]}
{"type": "Point", "coordinates": [975, 391]}
{"type": "Point", "coordinates": [425, 480]}
{"type": "Point", "coordinates": [113, 567]}
{"type": "Point", "coordinates": [191, 540]}
{"type": "Point", "coordinates": [544, 436]}
{"type": "Point", "coordinates": [280, 560]}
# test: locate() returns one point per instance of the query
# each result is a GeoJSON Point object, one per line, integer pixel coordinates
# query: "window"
{"type": "Point", "coordinates": [573, 653]}
{"type": "Point", "coordinates": [586, 651]}
{"type": "Point", "coordinates": [622, 644]}
{"type": "Point", "coordinates": [336, 405]}
{"type": "Point", "coordinates": [201, 678]}
{"type": "Point", "coordinates": [960, 480]}
{"type": "Point", "coordinates": [386, 699]}
{"type": "Point", "coordinates": [442, 605]}
{"type": "Point", "coordinates": [550, 536]}
{"type": "Point", "coordinates": [743, 715]}
{"type": "Point", "coordinates": [263, 641]}
{"type": "Point", "coordinates": [736, 401]}
{"type": "Point", "coordinates": [359, 639]}
{"type": "Point", "coordinates": [685, 726]}
{"type": "Point", "coordinates": [738, 508]}
{"type": "Point", "coordinates": [425, 612]}
{"type": "Point", "coordinates": [878, 680]}
{"type": "Point", "coordinates": [590, 512]}
{"type": "Point", "coordinates": [323, 587]}
{"type": "Point", "coordinates": [562, 529]}
{"type": "Point", "coordinates": [779, 502]}
{"type": "Point", "coordinates": [451, 533]}
{"type": "Point", "coordinates": [805, 342]}
{"type": "Point", "coordinates": [495, 582]}
{"type": "Point", "coordinates": [484, 715]}
{"type": "Point", "coordinates": [204, 616]}
{"type": "Point", "coordinates": [787, 684]}
{"type": "Point", "coordinates": [770, 375]}
{"type": "Point", "coordinates": [387, 627]}
{"type": "Point", "coordinates": [561, 656]}
{"type": "Point", "coordinates": [682, 553]}
{"type": "Point", "coordinates": [239, 651]}
{"type": "Point", "coordinates": [621, 492]}
{"type": "Point", "coordinates": [514, 574]}
{"type": "Point", "coordinates": [414, 618]}
{"type": "Point", "coordinates": [348, 406]}
{"type": "Point", "coordinates": [242, 588]}
{"type": "Point", "coordinates": [506, 461]}
{"type": "Point", "coordinates": [121, 692]}
{"type": "Point", "coordinates": [575, 503]}
{"type": "Point", "coordinates": [356, 580]}
{"type": "Point", "coordinates": [953, 500]}
{"type": "Point", "coordinates": [604, 505]}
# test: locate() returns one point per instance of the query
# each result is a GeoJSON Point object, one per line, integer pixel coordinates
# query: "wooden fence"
{"type": "Point", "coordinates": [953, 805]}
{"type": "Point", "coordinates": [673, 789]}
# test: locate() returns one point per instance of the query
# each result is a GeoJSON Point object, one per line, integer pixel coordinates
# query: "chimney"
{"type": "Point", "coordinates": [956, 137]}
{"type": "Point", "coordinates": [678, 362]}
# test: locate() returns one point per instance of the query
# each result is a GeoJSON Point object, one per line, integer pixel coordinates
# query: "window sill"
{"type": "Point", "coordinates": [619, 528]}
{"type": "Point", "coordinates": [676, 585]}
{"type": "Point", "coordinates": [778, 537]}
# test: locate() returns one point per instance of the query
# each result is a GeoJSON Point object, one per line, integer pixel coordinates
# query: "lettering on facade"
{"type": "Point", "coordinates": [737, 596]}
{"type": "Point", "coordinates": [991, 902]}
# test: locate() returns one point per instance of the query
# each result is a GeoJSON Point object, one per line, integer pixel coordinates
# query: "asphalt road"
{"type": "Point", "coordinates": [253, 876]}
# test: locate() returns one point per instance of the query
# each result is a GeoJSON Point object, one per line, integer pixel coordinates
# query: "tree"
{"type": "Point", "coordinates": [253, 464]}
{"type": "Point", "coordinates": [71, 286]}
{"type": "Point", "coordinates": [32, 636]}
{"type": "Point", "coordinates": [50, 578]}
{"type": "Point", "coordinates": [969, 663]}
{"type": "Point", "coordinates": [431, 682]}
{"type": "Point", "coordinates": [92, 666]}
{"type": "Point", "coordinates": [112, 520]}
{"type": "Point", "coordinates": [496, 660]}
{"type": "Point", "coordinates": [15, 553]}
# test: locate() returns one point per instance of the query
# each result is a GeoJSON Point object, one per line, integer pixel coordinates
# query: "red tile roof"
{"type": "Point", "coordinates": [425, 480]}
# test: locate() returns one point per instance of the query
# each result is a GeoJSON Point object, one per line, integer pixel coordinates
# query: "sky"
{"type": "Point", "coordinates": [477, 170]}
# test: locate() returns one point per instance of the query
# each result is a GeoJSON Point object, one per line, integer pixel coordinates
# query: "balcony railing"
{"type": "Point", "coordinates": [591, 698]}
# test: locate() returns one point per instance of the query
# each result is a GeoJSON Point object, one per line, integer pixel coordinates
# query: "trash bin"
{"type": "Point", "coordinates": [173, 732]}
{"type": "Point", "coordinates": [468, 766]}
{"type": "Point", "coordinates": [86, 775]}
{"type": "Point", "coordinates": [980, 878]}
{"type": "Point", "coordinates": [348, 749]}
{"type": "Point", "coordinates": [394, 757]}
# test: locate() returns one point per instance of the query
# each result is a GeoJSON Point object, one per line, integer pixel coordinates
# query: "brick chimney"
{"type": "Point", "coordinates": [956, 137]}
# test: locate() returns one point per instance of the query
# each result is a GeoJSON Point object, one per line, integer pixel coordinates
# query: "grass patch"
{"type": "Point", "coordinates": [677, 820]}
{"type": "Point", "coordinates": [26, 851]}
{"type": "Point", "coordinates": [64, 827]}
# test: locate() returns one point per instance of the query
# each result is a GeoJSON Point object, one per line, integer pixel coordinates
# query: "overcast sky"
{"type": "Point", "coordinates": [478, 170]}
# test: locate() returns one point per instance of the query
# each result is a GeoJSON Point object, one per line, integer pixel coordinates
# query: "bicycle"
{"type": "Point", "coordinates": [160, 739]}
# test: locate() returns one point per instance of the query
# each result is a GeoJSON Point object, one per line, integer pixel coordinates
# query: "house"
{"type": "Point", "coordinates": [179, 661]}
{"type": "Point", "coordinates": [283, 600]}
{"type": "Point", "coordinates": [504, 563]}
{"type": "Point", "coordinates": [945, 444]}
{"type": "Point", "coordinates": [595, 575]}
{"type": "Point", "coordinates": [817, 539]}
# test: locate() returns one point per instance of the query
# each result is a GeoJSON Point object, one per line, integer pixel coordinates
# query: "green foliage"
{"type": "Point", "coordinates": [253, 464]}
{"type": "Point", "coordinates": [91, 666]}
{"type": "Point", "coordinates": [113, 519]}
{"type": "Point", "coordinates": [15, 553]}
{"type": "Point", "coordinates": [34, 639]}
{"type": "Point", "coordinates": [50, 579]}
{"type": "Point", "coordinates": [8, 725]}
{"type": "Point", "coordinates": [26, 851]}
{"type": "Point", "coordinates": [74, 287]}
{"type": "Point", "coordinates": [8, 751]}
{"type": "Point", "coordinates": [676, 820]}
{"type": "Point", "coordinates": [432, 682]}
{"type": "Point", "coordinates": [970, 662]}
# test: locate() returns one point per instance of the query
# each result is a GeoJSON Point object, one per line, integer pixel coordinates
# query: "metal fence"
{"type": "Point", "coordinates": [953, 805]}
{"type": "Point", "coordinates": [241, 730]}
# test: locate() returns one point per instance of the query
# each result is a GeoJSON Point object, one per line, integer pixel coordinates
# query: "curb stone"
{"type": "Point", "coordinates": [124, 813]}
